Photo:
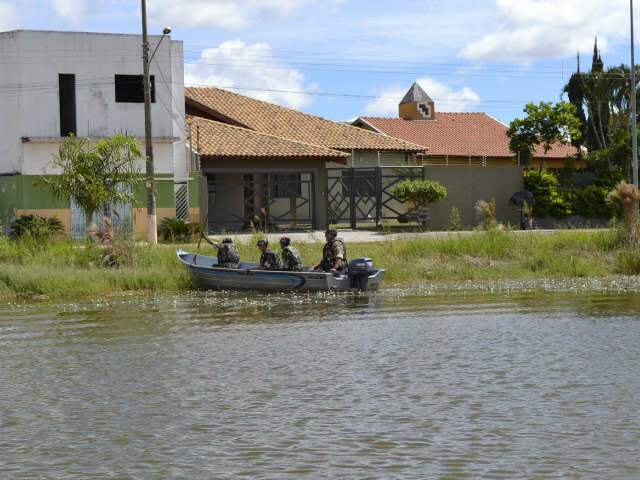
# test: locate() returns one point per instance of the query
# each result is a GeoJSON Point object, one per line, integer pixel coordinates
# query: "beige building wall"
{"type": "Point", "coordinates": [467, 185]}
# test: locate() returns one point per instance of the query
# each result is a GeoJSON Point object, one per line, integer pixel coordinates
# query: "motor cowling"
{"type": "Point", "coordinates": [359, 271]}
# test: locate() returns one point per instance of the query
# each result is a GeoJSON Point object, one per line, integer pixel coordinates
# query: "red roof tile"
{"type": "Point", "coordinates": [458, 134]}
{"type": "Point", "coordinates": [284, 122]}
{"type": "Point", "coordinates": [220, 140]}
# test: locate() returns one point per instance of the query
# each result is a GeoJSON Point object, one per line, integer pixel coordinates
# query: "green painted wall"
{"type": "Point", "coordinates": [165, 195]}
{"type": "Point", "coordinates": [33, 193]}
{"type": "Point", "coordinates": [29, 193]}
{"type": "Point", "coordinates": [8, 200]}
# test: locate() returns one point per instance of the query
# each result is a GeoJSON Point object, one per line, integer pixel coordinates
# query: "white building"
{"type": "Point", "coordinates": [53, 84]}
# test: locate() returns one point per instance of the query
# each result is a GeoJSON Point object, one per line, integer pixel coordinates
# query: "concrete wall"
{"type": "Point", "coordinates": [467, 185]}
{"type": "Point", "coordinates": [33, 60]}
{"type": "Point", "coordinates": [38, 154]}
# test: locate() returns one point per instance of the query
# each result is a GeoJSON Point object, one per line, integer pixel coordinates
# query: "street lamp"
{"type": "Point", "coordinates": [152, 222]}
{"type": "Point", "coordinates": [634, 126]}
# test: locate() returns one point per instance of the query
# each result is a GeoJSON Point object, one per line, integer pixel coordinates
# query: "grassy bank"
{"type": "Point", "coordinates": [61, 269]}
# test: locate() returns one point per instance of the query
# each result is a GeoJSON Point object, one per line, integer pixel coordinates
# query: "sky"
{"type": "Point", "coordinates": [341, 59]}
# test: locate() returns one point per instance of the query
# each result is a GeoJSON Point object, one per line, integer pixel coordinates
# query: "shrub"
{"type": "Point", "coordinates": [550, 201]}
{"type": "Point", "coordinates": [591, 202]}
{"type": "Point", "coordinates": [455, 223]}
{"type": "Point", "coordinates": [114, 253]}
{"type": "Point", "coordinates": [177, 230]}
{"type": "Point", "coordinates": [486, 212]}
{"type": "Point", "coordinates": [626, 197]}
{"type": "Point", "coordinates": [420, 193]}
{"type": "Point", "coordinates": [36, 227]}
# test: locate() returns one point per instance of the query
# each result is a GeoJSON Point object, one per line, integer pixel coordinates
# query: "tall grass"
{"type": "Point", "coordinates": [57, 269]}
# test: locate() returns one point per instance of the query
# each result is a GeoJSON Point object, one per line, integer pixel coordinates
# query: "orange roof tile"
{"type": "Point", "coordinates": [458, 134]}
{"type": "Point", "coordinates": [284, 122]}
{"type": "Point", "coordinates": [222, 140]}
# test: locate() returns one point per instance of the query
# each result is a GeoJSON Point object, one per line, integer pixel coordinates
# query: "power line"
{"type": "Point", "coordinates": [52, 87]}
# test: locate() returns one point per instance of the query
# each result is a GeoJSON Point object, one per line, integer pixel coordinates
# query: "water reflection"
{"type": "Point", "coordinates": [488, 381]}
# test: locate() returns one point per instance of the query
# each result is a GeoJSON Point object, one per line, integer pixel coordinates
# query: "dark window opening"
{"type": "Point", "coordinates": [67, 95]}
{"type": "Point", "coordinates": [286, 185]}
{"type": "Point", "coordinates": [130, 89]}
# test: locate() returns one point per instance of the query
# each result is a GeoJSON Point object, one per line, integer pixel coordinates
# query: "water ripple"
{"type": "Point", "coordinates": [499, 381]}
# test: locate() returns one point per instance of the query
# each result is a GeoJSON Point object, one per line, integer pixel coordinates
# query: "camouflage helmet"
{"type": "Point", "coordinates": [227, 240]}
{"type": "Point", "coordinates": [262, 243]}
{"type": "Point", "coordinates": [331, 231]}
{"type": "Point", "coordinates": [285, 241]}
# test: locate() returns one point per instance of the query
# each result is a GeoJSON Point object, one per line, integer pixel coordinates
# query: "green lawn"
{"type": "Point", "coordinates": [60, 269]}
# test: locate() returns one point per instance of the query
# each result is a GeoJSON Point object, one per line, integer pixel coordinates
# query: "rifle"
{"type": "Point", "coordinates": [215, 244]}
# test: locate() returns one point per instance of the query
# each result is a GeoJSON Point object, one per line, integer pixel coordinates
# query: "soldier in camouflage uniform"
{"type": "Point", "coordinates": [334, 253]}
{"type": "Point", "coordinates": [228, 256]}
{"type": "Point", "coordinates": [269, 260]}
{"type": "Point", "coordinates": [291, 260]}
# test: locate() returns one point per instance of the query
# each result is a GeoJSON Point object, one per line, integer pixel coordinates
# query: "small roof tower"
{"type": "Point", "coordinates": [417, 104]}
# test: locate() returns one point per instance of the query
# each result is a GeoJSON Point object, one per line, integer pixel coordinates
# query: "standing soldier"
{"type": "Point", "coordinates": [269, 260]}
{"type": "Point", "coordinates": [334, 253]}
{"type": "Point", "coordinates": [291, 260]}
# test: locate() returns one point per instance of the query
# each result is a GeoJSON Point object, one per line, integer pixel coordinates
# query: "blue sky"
{"type": "Point", "coordinates": [357, 57]}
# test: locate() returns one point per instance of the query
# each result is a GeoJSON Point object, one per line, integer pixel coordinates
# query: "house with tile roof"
{"type": "Point", "coordinates": [267, 163]}
{"type": "Point", "coordinates": [455, 138]}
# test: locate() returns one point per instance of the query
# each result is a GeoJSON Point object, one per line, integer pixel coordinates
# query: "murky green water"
{"type": "Point", "coordinates": [504, 381]}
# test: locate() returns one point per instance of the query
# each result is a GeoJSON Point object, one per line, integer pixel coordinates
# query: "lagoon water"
{"type": "Point", "coordinates": [499, 382]}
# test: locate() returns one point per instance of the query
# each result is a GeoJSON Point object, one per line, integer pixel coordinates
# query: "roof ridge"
{"type": "Point", "coordinates": [263, 134]}
{"type": "Point", "coordinates": [359, 130]}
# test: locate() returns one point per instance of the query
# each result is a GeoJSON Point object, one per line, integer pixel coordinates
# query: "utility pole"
{"type": "Point", "coordinates": [634, 126]}
{"type": "Point", "coordinates": [152, 225]}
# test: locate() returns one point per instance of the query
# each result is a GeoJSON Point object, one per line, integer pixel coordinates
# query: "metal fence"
{"type": "Point", "coordinates": [260, 201]}
{"type": "Point", "coordinates": [121, 220]}
{"type": "Point", "coordinates": [363, 195]}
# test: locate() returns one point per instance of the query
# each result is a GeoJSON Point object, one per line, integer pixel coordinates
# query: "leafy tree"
{"type": "Point", "coordinates": [96, 175]}
{"type": "Point", "coordinates": [603, 103]}
{"type": "Point", "coordinates": [544, 125]}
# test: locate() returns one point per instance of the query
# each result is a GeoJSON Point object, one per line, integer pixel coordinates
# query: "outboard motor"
{"type": "Point", "coordinates": [359, 271]}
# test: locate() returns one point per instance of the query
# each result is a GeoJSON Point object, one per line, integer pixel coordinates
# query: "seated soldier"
{"type": "Point", "coordinates": [228, 256]}
{"type": "Point", "coordinates": [291, 260]}
{"type": "Point", "coordinates": [268, 259]}
{"type": "Point", "coordinates": [334, 253]}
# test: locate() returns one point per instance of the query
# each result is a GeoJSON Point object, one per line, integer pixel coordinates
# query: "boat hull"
{"type": "Point", "coordinates": [207, 276]}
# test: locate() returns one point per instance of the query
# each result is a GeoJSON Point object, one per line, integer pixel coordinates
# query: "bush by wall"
{"type": "Point", "coordinates": [550, 202]}
{"type": "Point", "coordinates": [554, 201]}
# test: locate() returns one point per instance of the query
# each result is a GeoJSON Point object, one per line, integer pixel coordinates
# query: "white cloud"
{"type": "Point", "coordinates": [8, 16]}
{"type": "Point", "coordinates": [445, 98]}
{"type": "Point", "coordinates": [72, 11]}
{"type": "Point", "coordinates": [531, 29]}
{"type": "Point", "coordinates": [225, 14]}
{"type": "Point", "coordinates": [236, 64]}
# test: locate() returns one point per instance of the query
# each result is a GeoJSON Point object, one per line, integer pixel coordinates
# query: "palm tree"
{"type": "Point", "coordinates": [97, 175]}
